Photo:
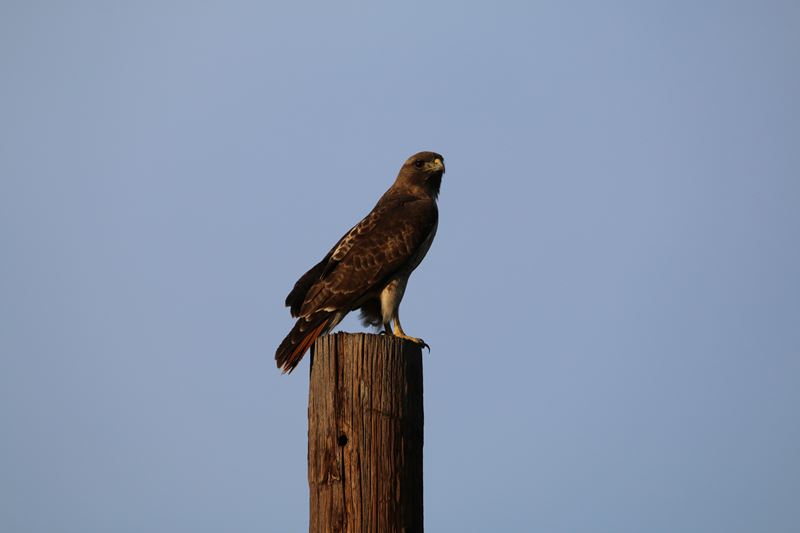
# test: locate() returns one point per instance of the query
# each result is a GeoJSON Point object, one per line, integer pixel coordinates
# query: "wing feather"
{"type": "Point", "coordinates": [384, 243]}
{"type": "Point", "coordinates": [303, 286]}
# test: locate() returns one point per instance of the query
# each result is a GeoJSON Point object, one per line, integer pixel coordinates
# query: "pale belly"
{"type": "Point", "coordinates": [392, 294]}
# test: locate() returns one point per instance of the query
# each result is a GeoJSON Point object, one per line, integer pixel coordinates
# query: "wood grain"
{"type": "Point", "coordinates": [365, 434]}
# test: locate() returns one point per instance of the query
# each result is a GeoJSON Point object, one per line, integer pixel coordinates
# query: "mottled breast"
{"type": "Point", "coordinates": [423, 249]}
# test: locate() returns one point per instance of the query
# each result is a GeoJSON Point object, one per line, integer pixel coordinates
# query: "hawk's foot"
{"type": "Point", "coordinates": [415, 340]}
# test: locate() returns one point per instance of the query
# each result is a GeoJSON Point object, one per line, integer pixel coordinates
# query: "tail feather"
{"type": "Point", "coordinates": [299, 340]}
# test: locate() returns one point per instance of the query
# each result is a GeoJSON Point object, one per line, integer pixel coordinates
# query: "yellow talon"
{"type": "Point", "coordinates": [402, 334]}
{"type": "Point", "coordinates": [415, 340]}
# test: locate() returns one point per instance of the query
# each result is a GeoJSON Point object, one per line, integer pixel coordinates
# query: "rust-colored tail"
{"type": "Point", "coordinates": [299, 340]}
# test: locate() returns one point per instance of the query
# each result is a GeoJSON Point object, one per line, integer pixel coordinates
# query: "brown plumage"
{"type": "Point", "coordinates": [369, 267]}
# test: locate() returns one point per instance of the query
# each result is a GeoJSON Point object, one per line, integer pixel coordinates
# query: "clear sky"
{"type": "Point", "coordinates": [612, 299]}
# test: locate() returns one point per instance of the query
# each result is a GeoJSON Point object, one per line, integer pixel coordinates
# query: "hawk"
{"type": "Point", "coordinates": [368, 268]}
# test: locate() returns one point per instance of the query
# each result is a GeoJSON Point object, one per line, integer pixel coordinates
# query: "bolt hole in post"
{"type": "Point", "coordinates": [342, 440]}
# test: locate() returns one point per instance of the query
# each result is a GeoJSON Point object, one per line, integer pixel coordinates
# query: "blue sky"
{"type": "Point", "coordinates": [612, 299]}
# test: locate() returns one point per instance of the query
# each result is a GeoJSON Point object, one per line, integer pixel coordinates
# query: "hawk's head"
{"type": "Point", "coordinates": [422, 173]}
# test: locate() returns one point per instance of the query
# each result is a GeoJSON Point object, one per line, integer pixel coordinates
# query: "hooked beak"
{"type": "Point", "coordinates": [438, 164]}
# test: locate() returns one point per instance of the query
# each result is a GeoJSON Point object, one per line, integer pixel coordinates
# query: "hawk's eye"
{"type": "Point", "coordinates": [418, 163]}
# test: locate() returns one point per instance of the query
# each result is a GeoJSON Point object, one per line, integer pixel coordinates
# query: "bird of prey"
{"type": "Point", "coordinates": [369, 267]}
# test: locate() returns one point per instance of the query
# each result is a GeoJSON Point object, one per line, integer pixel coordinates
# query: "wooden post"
{"type": "Point", "coordinates": [365, 434]}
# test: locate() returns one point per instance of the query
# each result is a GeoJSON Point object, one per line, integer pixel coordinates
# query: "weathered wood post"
{"type": "Point", "coordinates": [365, 434]}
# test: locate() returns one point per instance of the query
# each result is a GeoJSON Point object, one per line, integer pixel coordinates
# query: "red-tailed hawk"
{"type": "Point", "coordinates": [369, 267]}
